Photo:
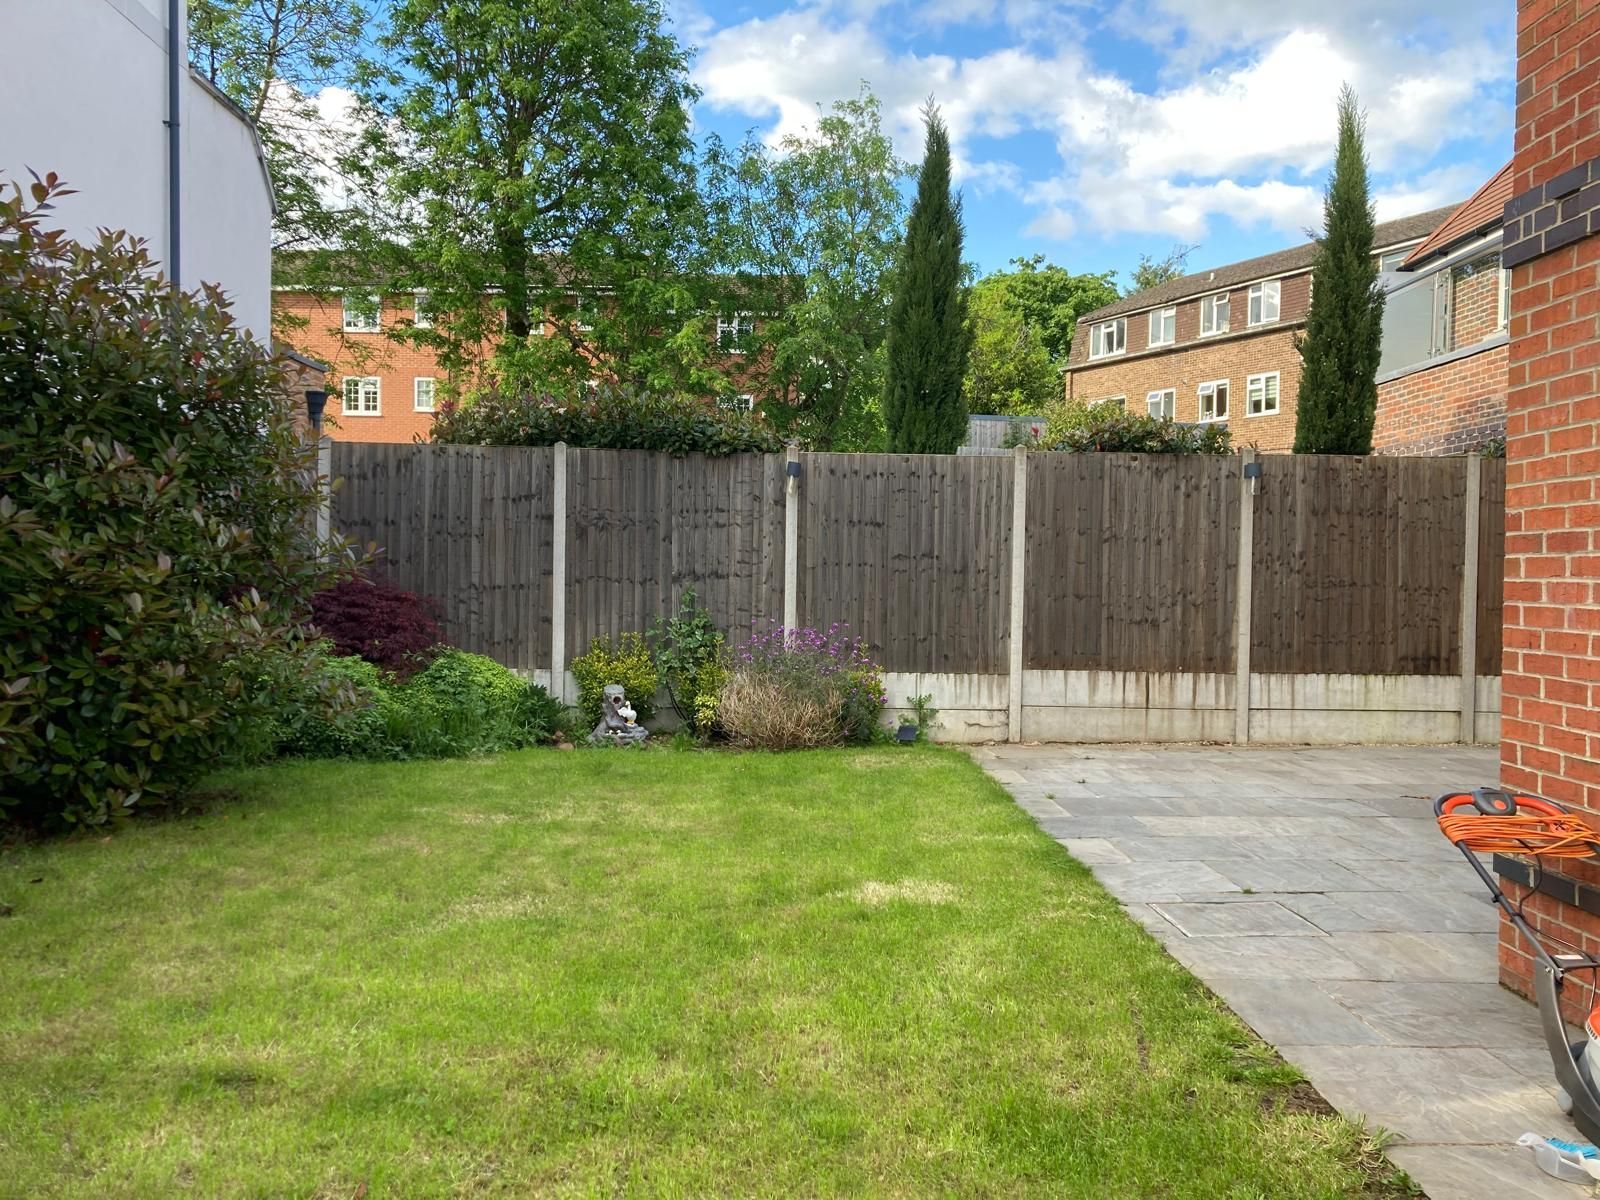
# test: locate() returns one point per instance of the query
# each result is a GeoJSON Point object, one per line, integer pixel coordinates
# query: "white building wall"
{"type": "Point", "coordinates": [85, 96]}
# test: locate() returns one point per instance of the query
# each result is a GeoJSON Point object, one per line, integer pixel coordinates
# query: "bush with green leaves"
{"type": "Point", "coordinates": [793, 689]}
{"type": "Point", "coordinates": [157, 508]}
{"type": "Point", "coordinates": [692, 663]}
{"type": "Point", "coordinates": [612, 419]}
{"type": "Point", "coordinates": [626, 662]}
{"type": "Point", "coordinates": [1137, 433]}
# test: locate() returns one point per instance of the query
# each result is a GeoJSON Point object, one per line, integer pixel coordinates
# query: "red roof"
{"type": "Point", "coordinates": [1483, 211]}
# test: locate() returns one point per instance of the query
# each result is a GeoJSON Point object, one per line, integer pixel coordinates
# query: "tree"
{"type": "Point", "coordinates": [806, 239]}
{"type": "Point", "coordinates": [1051, 299]}
{"type": "Point", "coordinates": [272, 58]}
{"type": "Point", "coordinates": [1339, 351]}
{"type": "Point", "coordinates": [928, 339]}
{"type": "Point", "coordinates": [1153, 271]}
{"type": "Point", "coordinates": [1009, 370]}
{"type": "Point", "coordinates": [534, 171]}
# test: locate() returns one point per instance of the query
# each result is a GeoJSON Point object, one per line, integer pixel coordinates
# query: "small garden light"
{"type": "Point", "coordinates": [316, 401]}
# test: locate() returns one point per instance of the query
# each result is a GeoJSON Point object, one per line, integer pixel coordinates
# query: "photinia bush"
{"type": "Point", "coordinates": [374, 620]}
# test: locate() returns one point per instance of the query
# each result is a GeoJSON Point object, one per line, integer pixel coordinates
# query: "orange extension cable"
{"type": "Point", "coordinates": [1535, 834]}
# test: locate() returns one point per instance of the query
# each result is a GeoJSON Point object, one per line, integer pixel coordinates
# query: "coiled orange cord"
{"type": "Point", "coordinates": [1538, 835]}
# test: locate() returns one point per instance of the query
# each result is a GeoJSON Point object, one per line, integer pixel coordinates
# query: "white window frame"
{"type": "Point", "coordinates": [416, 394]}
{"type": "Point", "coordinates": [1099, 333]}
{"type": "Point", "coordinates": [735, 328]}
{"type": "Point", "coordinates": [1260, 293]}
{"type": "Point", "coordinates": [579, 308]}
{"type": "Point", "coordinates": [1166, 399]}
{"type": "Point", "coordinates": [361, 382]}
{"type": "Point", "coordinates": [1503, 303]}
{"type": "Point", "coordinates": [743, 402]}
{"type": "Point", "coordinates": [355, 320]}
{"type": "Point", "coordinates": [1209, 388]}
{"type": "Point", "coordinates": [1208, 309]}
{"type": "Point", "coordinates": [421, 310]}
{"type": "Point", "coordinates": [1251, 383]}
{"type": "Point", "coordinates": [1158, 321]}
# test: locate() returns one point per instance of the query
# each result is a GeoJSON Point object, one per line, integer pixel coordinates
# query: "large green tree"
{"type": "Point", "coordinates": [1339, 351]}
{"type": "Point", "coordinates": [273, 58]}
{"type": "Point", "coordinates": [534, 175]}
{"type": "Point", "coordinates": [1153, 271]}
{"type": "Point", "coordinates": [1051, 299]}
{"type": "Point", "coordinates": [928, 339]}
{"type": "Point", "coordinates": [806, 235]}
{"type": "Point", "coordinates": [1009, 370]}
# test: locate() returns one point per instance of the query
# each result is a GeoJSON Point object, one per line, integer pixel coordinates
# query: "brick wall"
{"type": "Point", "coordinates": [1233, 357]}
{"type": "Point", "coordinates": [1449, 409]}
{"type": "Point", "coordinates": [1476, 300]}
{"type": "Point", "coordinates": [1550, 725]}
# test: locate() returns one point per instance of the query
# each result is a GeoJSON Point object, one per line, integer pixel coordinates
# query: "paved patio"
{"type": "Point", "coordinates": [1311, 890]}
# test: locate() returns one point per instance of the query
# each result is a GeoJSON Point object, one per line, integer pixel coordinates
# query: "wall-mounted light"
{"type": "Point", "coordinates": [316, 401]}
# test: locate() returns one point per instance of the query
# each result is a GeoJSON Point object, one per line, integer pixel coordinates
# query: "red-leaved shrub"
{"type": "Point", "coordinates": [375, 620]}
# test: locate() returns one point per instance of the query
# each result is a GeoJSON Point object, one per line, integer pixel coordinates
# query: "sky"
{"type": "Point", "coordinates": [1094, 132]}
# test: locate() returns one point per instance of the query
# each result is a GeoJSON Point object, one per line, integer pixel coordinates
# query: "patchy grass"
{"type": "Point", "coordinates": [582, 974]}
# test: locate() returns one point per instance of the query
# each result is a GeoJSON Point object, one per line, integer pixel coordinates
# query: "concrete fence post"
{"type": "Point", "coordinates": [791, 537]}
{"type": "Point", "coordinates": [325, 487]}
{"type": "Point", "coordinates": [558, 577]}
{"type": "Point", "coordinates": [1019, 591]}
{"type": "Point", "coordinates": [1249, 477]}
{"type": "Point", "coordinates": [1469, 602]}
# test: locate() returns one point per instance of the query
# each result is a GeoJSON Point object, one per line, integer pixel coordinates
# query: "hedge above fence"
{"type": "Point", "coordinates": [611, 420]}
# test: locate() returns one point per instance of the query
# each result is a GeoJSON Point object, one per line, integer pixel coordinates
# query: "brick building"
{"type": "Point", "coordinates": [1442, 376]}
{"type": "Point", "coordinates": [1218, 345]}
{"type": "Point", "coordinates": [1550, 728]}
{"type": "Point", "coordinates": [383, 389]}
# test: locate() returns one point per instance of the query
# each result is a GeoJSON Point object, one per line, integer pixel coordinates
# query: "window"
{"type": "Point", "coordinates": [1264, 303]}
{"type": "Point", "coordinates": [1163, 327]}
{"type": "Point", "coordinates": [422, 393]}
{"type": "Point", "coordinates": [1162, 405]}
{"type": "Point", "coordinates": [733, 332]}
{"type": "Point", "coordinates": [1108, 338]}
{"type": "Point", "coordinates": [583, 314]}
{"type": "Point", "coordinates": [1214, 314]}
{"type": "Point", "coordinates": [1260, 395]}
{"type": "Point", "coordinates": [1120, 401]}
{"type": "Point", "coordinates": [361, 313]}
{"type": "Point", "coordinates": [1504, 313]}
{"type": "Point", "coordinates": [1214, 400]}
{"type": "Point", "coordinates": [422, 311]}
{"type": "Point", "coordinates": [361, 397]}
{"type": "Point", "coordinates": [1391, 260]}
{"type": "Point", "coordinates": [741, 403]}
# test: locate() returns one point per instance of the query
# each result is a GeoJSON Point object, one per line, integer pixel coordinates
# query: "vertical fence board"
{"type": "Point", "coordinates": [1491, 565]}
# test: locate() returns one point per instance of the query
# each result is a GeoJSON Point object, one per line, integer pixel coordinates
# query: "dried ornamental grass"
{"type": "Point", "coordinates": [759, 712]}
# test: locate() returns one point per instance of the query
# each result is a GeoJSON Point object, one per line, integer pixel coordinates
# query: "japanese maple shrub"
{"type": "Point", "coordinates": [157, 512]}
{"type": "Point", "coordinates": [371, 618]}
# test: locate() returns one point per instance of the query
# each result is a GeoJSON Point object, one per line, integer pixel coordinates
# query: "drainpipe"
{"type": "Point", "coordinates": [174, 142]}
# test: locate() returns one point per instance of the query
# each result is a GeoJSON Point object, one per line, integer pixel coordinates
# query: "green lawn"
{"type": "Point", "coordinates": [604, 974]}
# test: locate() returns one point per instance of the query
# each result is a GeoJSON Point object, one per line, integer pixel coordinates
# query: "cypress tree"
{"type": "Point", "coordinates": [928, 339]}
{"type": "Point", "coordinates": [1339, 351]}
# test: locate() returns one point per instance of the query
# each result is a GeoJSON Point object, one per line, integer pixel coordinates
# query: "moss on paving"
{"type": "Point", "coordinates": [580, 974]}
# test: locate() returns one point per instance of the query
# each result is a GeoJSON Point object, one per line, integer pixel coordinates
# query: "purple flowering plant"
{"type": "Point", "coordinates": [814, 661]}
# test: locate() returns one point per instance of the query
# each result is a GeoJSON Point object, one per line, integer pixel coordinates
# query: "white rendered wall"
{"type": "Point", "coordinates": [85, 96]}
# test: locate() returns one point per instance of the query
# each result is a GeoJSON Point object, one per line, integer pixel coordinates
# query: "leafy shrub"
{"type": "Point", "coordinates": [802, 687]}
{"type": "Point", "coordinates": [379, 622]}
{"type": "Point", "coordinates": [691, 661]}
{"type": "Point", "coordinates": [360, 730]}
{"type": "Point", "coordinates": [1137, 433]}
{"type": "Point", "coordinates": [157, 505]}
{"type": "Point", "coordinates": [612, 419]}
{"type": "Point", "coordinates": [628, 663]}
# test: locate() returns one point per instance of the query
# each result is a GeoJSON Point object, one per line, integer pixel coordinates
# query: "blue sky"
{"type": "Point", "coordinates": [1093, 132]}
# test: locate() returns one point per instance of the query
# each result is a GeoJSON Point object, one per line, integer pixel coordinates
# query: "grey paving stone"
{"type": "Point", "coordinates": [1260, 918]}
{"type": "Point", "coordinates": [1255, 957]}
{"type": "Point", "coordinates": [1292, 1012]}
{"type": "Point", "coordinates": [1412, 1013]}
{"type": "Point", "coordinates": [1091, 827]}
{"type": "Point", "coordinates": [1172, 849]}
{"type": "Point", "coordinates": [1479, 1173]}
{"type": "Point", "coordinates": [1290, 875]}
{"type": "Point", "coordinates": [1394, 912]}
{"type": "Point", "coordinates": [1094, 851]}
{"type": "Point", "coordinates": [1227, 825]}
{"type": "Point", "coordinates": [1160, 881]}
{"type": "Point", "coordinates": [1441, 957]}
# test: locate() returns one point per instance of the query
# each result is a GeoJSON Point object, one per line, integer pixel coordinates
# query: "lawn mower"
{"type": "Point", "coordinates": [1491, 821]}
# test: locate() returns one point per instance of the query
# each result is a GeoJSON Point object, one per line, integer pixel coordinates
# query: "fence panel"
{"type": "Point", "coordinates": [1131, 562]}
{"type": "Point", "coordinates": [1358, 565]}
{"type": "Point", "coordinates": [644, 527]}
{"type": "Point", "coordinates": [1491, 565]}
{"type": "Point", "coordinates": [913, 552]}
{"type": "Point", "coordinates": [468, 526]}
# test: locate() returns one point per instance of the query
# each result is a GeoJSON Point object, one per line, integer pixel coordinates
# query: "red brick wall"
{"type": "Point", "coordinates": [1550, 723]}
{"type": "Point", "coordinates": [1448, 409]}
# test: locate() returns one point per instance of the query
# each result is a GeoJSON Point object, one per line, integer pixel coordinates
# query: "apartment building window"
{"type": "Point", "coordinates": [1108, 338]}
{"type": "Point", "coordinates": [1163, 326]}
{"type": "Point", "coordinates": [734, 332]}
{"type": "Point", "coordinates": [1163, 404]}
{"type": "Point", "coordinates": [1120, 401]}
{"type": "Point", "coordinates": [362, 397]}
{"type": "Point", "coordinates": [362, 314]}
{"type": "Point", "coordinates": [1264, 302]}
{"type": "Point", "coordinates": [1392, 260]}
{"type": "Point", "coordinates": [422, 393]}
{"type": "Point", "coordinates": [422, 310]}
{"type": "Point", "coordinates": [1214, 314]}
{"type": "Point", "coordinates": [744, 402]}
{"type": "Point", "coordinates": [1214, 400]}
{"type": "Point", "coordinates": [1261, 394]}
{"type": "Point", "coordinates": [1504, 314]}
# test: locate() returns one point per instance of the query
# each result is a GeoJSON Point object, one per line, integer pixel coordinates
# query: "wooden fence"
{"type": "Point", "coordinates": [1373, 566]}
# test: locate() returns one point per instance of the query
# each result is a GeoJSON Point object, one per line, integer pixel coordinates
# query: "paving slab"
{"type": "Point", "coordinates": [1310, 889]}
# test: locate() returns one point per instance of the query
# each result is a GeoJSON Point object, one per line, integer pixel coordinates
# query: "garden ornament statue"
{"type": "Point", "coordinates": [618, 722]}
